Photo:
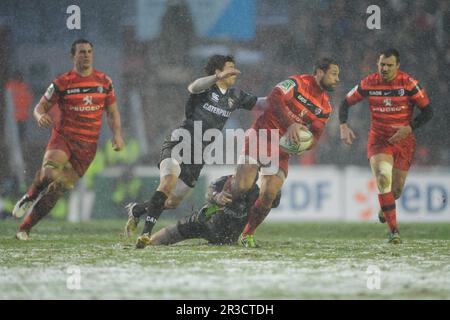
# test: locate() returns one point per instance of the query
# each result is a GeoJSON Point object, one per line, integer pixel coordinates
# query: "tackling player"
{"type": "Point", "coordinates": [220, 221]}
{"type": "Point", "coordinates": [392, 96]}
{"type": "Point", "coordinates": [83, 95]}
{"type": "Point", "coordinates": [300, 102]}
{"type": "Point", "coordinates": [211, 102]}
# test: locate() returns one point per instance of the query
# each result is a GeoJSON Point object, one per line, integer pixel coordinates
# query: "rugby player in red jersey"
{"type": "Point", "coordinates": [392, 96]}
{"type": "Point", "coordinates": [82, 95]}
{"type": "Point", "coordinates": [299, 102]}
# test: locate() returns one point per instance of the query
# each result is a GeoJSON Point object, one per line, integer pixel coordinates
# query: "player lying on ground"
{"type": "Point", "coordinates": [299, 103]}
{"type": "Point", "coordinates": [392, 96]}
{"type": "Point", "coordinates": [220, 221]}
{"type": "Point", "coordinates": [211, 102]}
{"type": "Point", "coordinates": [82, 95]}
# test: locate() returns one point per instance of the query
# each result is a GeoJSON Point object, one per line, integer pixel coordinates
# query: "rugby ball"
{"type": "Point", "coordinates": [306, 140]}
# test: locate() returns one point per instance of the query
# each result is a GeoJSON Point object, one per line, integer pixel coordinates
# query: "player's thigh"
{"type": "Point", "coordinates": [53, 164]}
{"type": "Point", "coordinates": [398, 181]}
{"type": "Point", "coordinates": [178, 193]}
{"type": "Point", "coordinates": [270, 186]}
{"type": "Point", "coordinates": [244, 178]}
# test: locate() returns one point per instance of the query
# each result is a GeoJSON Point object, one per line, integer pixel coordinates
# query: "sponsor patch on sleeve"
{"type": "Point", "coordinates": [50, 91]}
{"type": "Point", "coordinates": [352, 92]}
{"type": "Point", "coordinates": [286, 85]}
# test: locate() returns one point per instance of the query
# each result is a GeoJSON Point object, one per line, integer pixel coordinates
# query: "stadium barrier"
{"type": "Point", "coordinates": [313, 193]}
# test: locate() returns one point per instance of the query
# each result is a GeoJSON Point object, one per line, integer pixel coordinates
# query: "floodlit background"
{"type": "Point", "coordinates": [153, 49]}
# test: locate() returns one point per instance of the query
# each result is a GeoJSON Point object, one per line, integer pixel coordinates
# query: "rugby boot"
{"type": "Point", "coordinates": [143, 241]}
{"type": "Point", "coordinates": [132, 223]}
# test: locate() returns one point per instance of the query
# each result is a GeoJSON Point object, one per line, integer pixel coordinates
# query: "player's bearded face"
{"type": "Point", "coordinates": [83, 56]}
{"type": "Point", "coordinates": [388, 67]}
{"type": "Point", "coordinates": [330, 78]}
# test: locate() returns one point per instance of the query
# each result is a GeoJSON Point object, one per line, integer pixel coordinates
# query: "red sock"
{"type": "Point", "coordinates": [256, 216]}
{"type": "Point", "coordinates": [387, 204]}
{"type": "Point", "coordinates": [40, 210]}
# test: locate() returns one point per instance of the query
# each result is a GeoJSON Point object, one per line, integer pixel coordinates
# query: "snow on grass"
{"type": "Point", "coordinates": [302, 266]}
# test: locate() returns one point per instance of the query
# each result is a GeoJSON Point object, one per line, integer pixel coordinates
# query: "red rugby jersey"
{"type": "Point", "coordinates": [82, 101]}
{"type": "Point", "coordinates": [391, 103]}
{"type": "Point", "coordinates": [297, 99]}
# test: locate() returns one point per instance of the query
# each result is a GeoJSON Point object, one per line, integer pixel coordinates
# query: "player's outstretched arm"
{"type": "Point", "coordinates": [201, 84]}
{"type": "Point", "coordinates": [261, 104]}
{"type": "Point", "coordinates": [347, 134]}
{"type": "Point", "coordinates": [41, 115]}
{"type": "Point", "coordinates": [114, 123]}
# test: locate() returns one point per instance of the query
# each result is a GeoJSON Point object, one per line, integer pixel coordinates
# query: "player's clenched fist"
{"type": "Point", "coordinates": [227, 73]}
{"type": "Point", "coordinates": [118, 143]}
{"type": "Point", "coordinates": [223, 198]}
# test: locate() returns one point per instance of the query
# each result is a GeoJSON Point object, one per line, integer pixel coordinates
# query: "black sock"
{"type": "Point", "coordinates": [154, 209]}
{"type": "Point", "coordinates": [149, 224]}
{"type": "Point", "coordinates": [156, 202]}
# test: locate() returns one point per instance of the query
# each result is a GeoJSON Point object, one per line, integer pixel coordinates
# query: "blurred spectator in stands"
{"type": "Point", "coordinates": [22, 99]}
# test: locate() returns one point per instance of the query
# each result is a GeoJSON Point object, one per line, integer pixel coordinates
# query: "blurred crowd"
{"type": "Point", "coordinates": [290, 36]}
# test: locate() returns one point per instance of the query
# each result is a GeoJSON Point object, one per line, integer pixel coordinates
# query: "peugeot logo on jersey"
{"type": "Point", "coordinates": [387, 102]}
{"type": "Point", "coordinates": [87, 100]}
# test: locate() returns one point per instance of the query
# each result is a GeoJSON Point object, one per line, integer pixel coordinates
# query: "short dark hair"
{"type": "Point", "coordinates": [324, 64]}
{"type": "Point", "coordinates": [217, 61]}
{"type": "Point", "coordinates": [73, 49]}
{"type": "Point", "coordinates": [391, 52]}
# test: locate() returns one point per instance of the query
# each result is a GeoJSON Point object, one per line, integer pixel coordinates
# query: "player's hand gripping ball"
{"type": "Point", "coordinates": [306, 140]}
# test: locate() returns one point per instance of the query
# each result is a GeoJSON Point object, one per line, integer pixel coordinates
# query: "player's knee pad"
{"type": "Point", "coordinates": [51, 170]}
{"type": "Point", "coordinates": [383, 176]}
{"type": "Point", "coordinates": [49, 164]}
{"type": "Point", "coordinates": [169, 166]}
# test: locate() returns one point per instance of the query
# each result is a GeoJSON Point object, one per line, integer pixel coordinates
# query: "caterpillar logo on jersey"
{"type": "Point", "coordinates": [214, 97]}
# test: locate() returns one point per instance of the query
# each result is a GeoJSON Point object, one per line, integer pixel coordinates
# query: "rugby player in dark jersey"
{"type": "Point", "coordinates": [220, 221]}
{"type": "Point", "coordinates": [211, 102]}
